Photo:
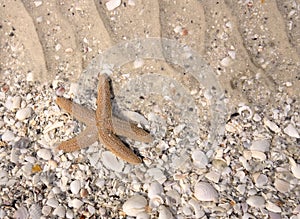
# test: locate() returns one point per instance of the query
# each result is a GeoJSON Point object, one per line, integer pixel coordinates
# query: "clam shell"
{"type": "Point", "coordinates": [23, 114]}
{"type": "Point", "coordinates": [75, 186]}
{"type": "Point", "coordinates": [59, 211]}
{"type": "Point", "coordinates": [205, 192]}
{"type": "Point", "coordinates": [281, 185]}
{"type": "Point", "coordinates": [164, 213]}
{"type": "Point", "coordinates": [155, 189]}
{"type": "Point", "coordinates": [135, 205]}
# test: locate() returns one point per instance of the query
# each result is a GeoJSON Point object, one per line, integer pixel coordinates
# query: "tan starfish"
{"type": "Point", "coordinates": [102, 125]}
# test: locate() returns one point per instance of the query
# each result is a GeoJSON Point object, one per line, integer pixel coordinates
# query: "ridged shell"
{"type": "Point", "coordinates": [205, 192]}
{"type": "Point", "coordinates": [256, 201]}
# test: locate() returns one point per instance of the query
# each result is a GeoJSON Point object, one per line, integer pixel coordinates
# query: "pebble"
{"type": "Point", "coordinates": [75, 186]}
{"type": "Point", "coordinates": [205, 192]}
{"type": "Point", "coordinates": [8, 136]}
{"type": "Point", "coordinates": [110, 161]}
{"type": "Point", "coordinates": [23, 114]}
{"type": "Point", "coordinates": [256, 201]}
{"type": "Point", "coordinates": [44, 154]}
{"type": "Point", "coordinates": [135, 205]}
{"type": "Point", "coordinates": [112, 4]}
{"type": "Point", "coordinates": [291, 131]}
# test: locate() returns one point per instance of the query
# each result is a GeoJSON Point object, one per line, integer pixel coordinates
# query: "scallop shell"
{"type": "Point", "coordinates": [23, 113]}
{"type": "Point", "coordinates": [205, 192]}
{"type": "Point", "coordinates": [35, 211]}
{"type": "Point", "coordinates": [135, 205]}
{"type": "Point", "coordinates": [75, 186]}
{"type": "Point", "coordinates": [21, 213]}
{"type": "Point", "coordinates": [256, 201]}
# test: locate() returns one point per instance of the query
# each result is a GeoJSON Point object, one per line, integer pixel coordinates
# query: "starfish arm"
{"type": "Point", "coordinates": [104, 109]}
{"type": "Point", "coordinates": [130, 130]}
{"type": "Point", "coordinates": [86, 138]}
{"type": "Point", "coordinates": [81, 113]}
{"type": "Point", "coordinates": [117, 147]}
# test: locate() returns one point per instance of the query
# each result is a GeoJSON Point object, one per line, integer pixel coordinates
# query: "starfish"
{"type": "Point", "coordinates": [102, 125]}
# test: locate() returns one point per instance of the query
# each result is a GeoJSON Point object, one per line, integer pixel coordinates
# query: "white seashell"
{"type": "Point", "coordinates": [46, 210]}
{"type": "Point", "coordinates": [110, 161]}
{"type": "Point", "coordinates": [52, 202]}
{"type": "Point", "coordinates": [135, 117]}
{"type": "Point", "coordinates": [35, 211]}
{"type": "Point", "coordinates": [16, 102]}
{"type": "Point", "coordinates": [281, 185]}
{"type": "Point", "coordinates": [295, 168]}
{"type": "Point", "coordinates": [245, 108]}
{"type": "Point", "coordinates": [131, 2]}
{"type": "Point", "coordinates": [226, 61]}
{"type": "Point", "coordinates": [213, 176]}
{"type": "Point", "coordinates": [23, 113]}
{"type": "Point", "coordinates": [259, 155]}
{"type": "Point", "coordinates": [200, 159]}
{"type": "Point", "coordinates": [262, 145]}
{"type": "Point", "coordinates": [52, 126]}
{"type": "Point", "coordinates": [75, 186]}
{"type": "Point", "coordinates": [21, 213]}
{"type": "Point", "coordinates": [260, 179]}
{"type": "Point", "coordinates": [60, 211]}
{"type": "Point", "coordinates": [155, 189]}
{"type": "Point", "coordinates": [143, 215]}
{"type": "Point", "coordinates": [178, 129]}
{"type": "Point", "coordinates": [3, 177]}
{"type": "Point", "coordinates": [112, 4]}
{"type": "Point", "coordinates": [157, 175]}
{"type": "Point", "coordinates": [8, 136]}
{"type": "Point", "coordinates": [291, 131]}
{"type": "Point", "coordinates": [44, 154]}
{"type": "Point", "coordinates": [233, 127]}
{"type": "Point", "coordinates": [69, 214]}
{"type": "Point", "coordinates": [198, 212]}
{"type": "Point", "coordinates": [256, 117]}
{"type": "Point", "coordinates": [156, 201]}
{"type": "Point", "coordinates": [9, 103]}
{"type": "Point", "coordinates": [272, 207]}
{"type": "Point", "coordinates": [205, 192]}
{"type": "Point", "coordinates": [75, 203]}
{"type": "Point", "coordinates": [138, 63]}
{"type": "Point", "coordinates": [256, 201]}
{"type": "Point", "coordinates": [272, 126]}
{"type": "Point", "coordinates": [14, 156]}
{"type": "Point", "coordinates": [164, 213]}
{"type": "Point", "coordinates": [241, 189]}
{"type": "Point", "coordinates": [135, 205]}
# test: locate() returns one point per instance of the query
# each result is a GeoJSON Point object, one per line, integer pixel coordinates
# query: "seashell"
{"type": "Point", "coordinates": [21, 213]}
{"type": "Point", "coordinates": [44, 154]}
{"type": "Point", "coordinates": [198, 212]}
{"type": "Point", "coordinates": [46, 210]}
{"type": "Point", "coordinates": [241, 189]}
{"type": "Point", "coordinates": [259, 155]}
{"type": "Point", "coordinates": [256, 118]}
{"type": "Point", "coordinates": [226, 61]}
{"type": "Point", "coordinates": [75, 203]}
{"type": "Point", "coordinates": [135, 117]}
{"type": "Point", "coordinates": [291, 131]}
{"type": "Point", "coordinates": [52, 202]}
{"type": "Point", "coordinates": [8, 136]}
{"type": "Point", "coordinates": [35, 211]}
{"type": "Point", "coordinates": [75, 186]}
{"type": "Point", "coordinates": [178, 129]}
{"type": "Point", "coordinates": [138, 63]}
{"type": "Point", "coordinates": [157, 175]}
{"type": "Point", "coordinates": [245, 108]}
{"type": "Point", "coordinates": [233, 127]}
{"type": "Point", "coordinates": [156, 201]}
{"type": "Point", "coordinates": [9, 103]}
{"type": "Point", "coordinates": [213, 176]}
{"type": "Point", "coordinates": [272, 207]}
{"type": "Point", "coordinates": [23, 114]}
{"type": "Point", "coordinates": [60, 211]}
{"type": "Point", "coordinates": [295, 168]}
{"type": "Point", "coordinates": [135, 205]}
{"type": "Point", "coordinates": [16, 102]}
{"type": "Point", "coordinates": [205, 192]}
{"type": "Point", "coordinates": [256, 201]}
{"type": "Point", "coordinates": [273, 215]}
{"type": "Point", "coordinates": [262, 145]}
{"type": "Point", "coordinates": [69, 214]}
{"type": "Point", "coordinates": [110, 161]}
{"type": "Point", "coordinates": [281, 185]}
{"type": "Point", "coordinates": [112, 4]}
{"type": "Point", "coordinates": [155, 189]}
{"type": "Point", "coordinates": [200, 159]}
{"type": "Point", "coordinates": [143, 215]}
{"type": "Point", "coordinates": [164, 213]}
{"type": "Point", "coordinates": [272, 126]}
{"type": "Point", "coordinates": [260, 180]}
